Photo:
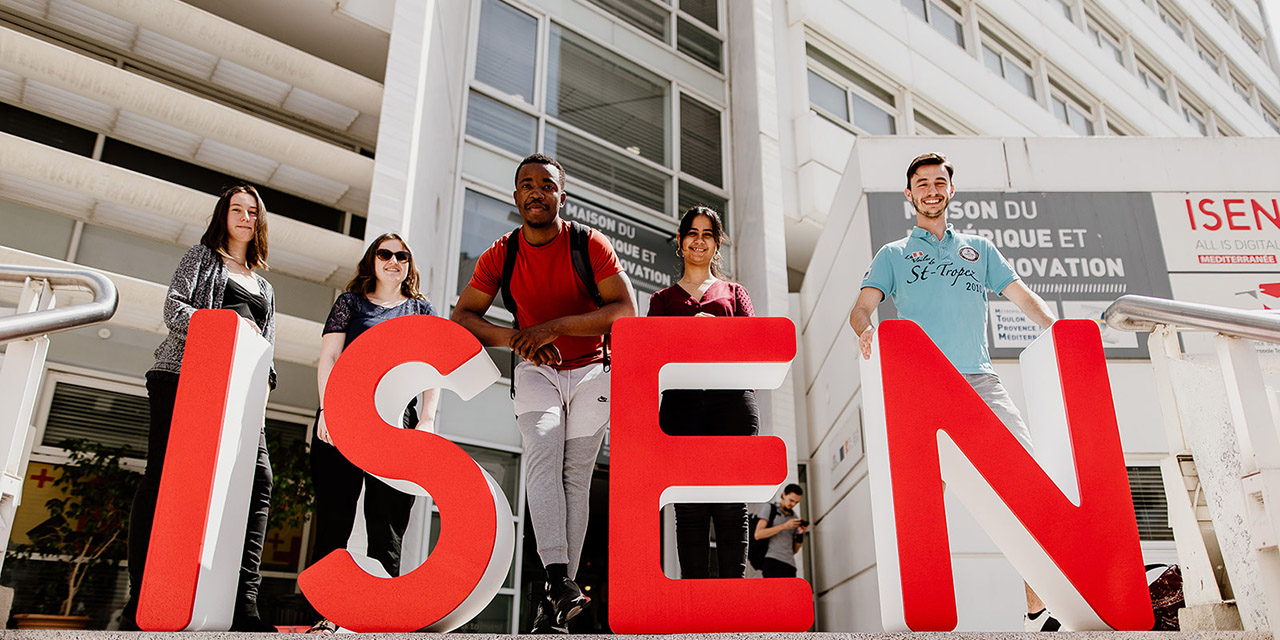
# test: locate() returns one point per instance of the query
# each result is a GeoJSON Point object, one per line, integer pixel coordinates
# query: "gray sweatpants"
{"type": "Point", "coordinates": [562, 417]}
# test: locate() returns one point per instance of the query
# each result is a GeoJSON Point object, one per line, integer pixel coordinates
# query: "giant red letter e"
{"type": "Point", "coordinates": [649, 469]}
{"type": "Point", "coordinates": [1067, 526]}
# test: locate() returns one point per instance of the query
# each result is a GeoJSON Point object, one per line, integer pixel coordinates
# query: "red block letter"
{"type": "Point", "coordinates": [649, 469]}
{"type": "Point", "coordinates": [1077, 546]}
{"type": "Point", "coordinates": [374, 379]}
{"type": "Point", "coordinates": [193, 560]}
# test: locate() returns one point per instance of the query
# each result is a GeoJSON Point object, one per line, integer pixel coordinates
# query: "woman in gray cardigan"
{"type": "Point", "coordinates": [215, 274]}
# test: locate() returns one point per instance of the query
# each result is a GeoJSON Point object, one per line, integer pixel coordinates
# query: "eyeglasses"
{"type": "Point", "coordinates": [387, 254]}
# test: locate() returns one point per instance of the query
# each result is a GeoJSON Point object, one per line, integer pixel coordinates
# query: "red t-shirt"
{"type": "Point", "coordinates": [545, 287]}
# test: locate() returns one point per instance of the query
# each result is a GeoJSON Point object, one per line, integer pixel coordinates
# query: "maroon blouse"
{"type": "Point", "coordinates": [721, 299]}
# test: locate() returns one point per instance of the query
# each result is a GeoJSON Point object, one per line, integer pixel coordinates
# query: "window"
{"type": "Point", "coordinates": [1239, 85]}
{"type": "Point", "coordinates": [926, 126]}
{"type": "Point", "coordinates": [697, 25]}
{"type": "Point", "coordinates": [1171, 19]}
{"type": "Point", "coordinates": [1252, 39]}
{"type": "Point", "coordinates": [1272, 116]}
{"type": "Point", "coordinates": [1149, 504]}
{"type": "Point", "coordinates": [610, 121]}
{"type": "Point", "coordinates": [945, 17]}
{"type": "Point", "coordinates": [1063, 7]}
{"type": "Point", "coordinates": [848, 96]}
{"type": "Point", "coordinates": [1105, 39]}
{"type": "Point", "coordinates": [1206, 52]}
{"type": "Point", "coordinates": [1195, 116]}
{"type": "Point", "coordinates": [1014, 68]}
{"type": "Point", "coordinates": [1153, 80]}
{"type": "Point", "coordinates": [1071, 112]}
{"type": "Point", "coordinates": [1224, 9]}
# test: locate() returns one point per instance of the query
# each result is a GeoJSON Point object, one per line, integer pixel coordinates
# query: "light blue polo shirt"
{"type": "Point", "coordinates": [942, 286]}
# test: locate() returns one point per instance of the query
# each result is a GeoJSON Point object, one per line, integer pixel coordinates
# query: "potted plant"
{"type": "Point", "coordinates": [87, 526]}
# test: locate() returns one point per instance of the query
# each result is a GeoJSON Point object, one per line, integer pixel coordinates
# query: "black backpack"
{"type": "Point", "coordinates": [579, 236]}
{"type": "Point", "coordinates": [757, 548]}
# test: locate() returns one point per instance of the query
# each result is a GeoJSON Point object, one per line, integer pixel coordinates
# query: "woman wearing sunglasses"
{"type": "Point", "coordinates": [385, 286]}
{"type": "Point", "coordinates": [704, 293]}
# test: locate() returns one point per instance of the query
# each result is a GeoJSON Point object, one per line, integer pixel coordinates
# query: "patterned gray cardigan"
{"type": "Point", "coordinates": [198, 283]}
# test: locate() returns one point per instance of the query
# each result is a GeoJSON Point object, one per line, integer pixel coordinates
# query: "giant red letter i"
{"type": "Point", "coordinates": [1064, 519]}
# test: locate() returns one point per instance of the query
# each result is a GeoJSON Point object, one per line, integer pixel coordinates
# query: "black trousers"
{"type": "Point", "coordinates": [337, 484]}
{"type": "Point", "coordinates": [774, 568]}
{"type": "Point", "coordinates": [162, 390]}
{"type": "Point", "coordinates": [686, 412]}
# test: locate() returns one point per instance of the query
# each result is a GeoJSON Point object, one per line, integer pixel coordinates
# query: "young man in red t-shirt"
{"type": "Point", "coordinates": [561, 387]}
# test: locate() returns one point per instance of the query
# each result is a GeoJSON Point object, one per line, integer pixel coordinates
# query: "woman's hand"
{"type": "Point", "coordinates": [322, 431]}
{"type": "Point", "coordinates": [251, 324]}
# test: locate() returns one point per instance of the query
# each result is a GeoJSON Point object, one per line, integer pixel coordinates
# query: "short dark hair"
{"type": "Point", "coordinates": [926, 159]}
{"type": "Point", "coordinates": [539, 158]}
{"type": "Point", "coordinates": [792, 488]}
{"type": "Point", "coordinates": [215, 236]}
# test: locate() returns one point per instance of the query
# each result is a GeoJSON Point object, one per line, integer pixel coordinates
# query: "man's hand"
{"type": "Point", "coordinates": [546, 354]}
{"type": "Point", "coordinates": [527, 342]}
{"type": "Point", "coordinates": [864, 341]}
{"type": "Point", "coordinates": [791, 524]}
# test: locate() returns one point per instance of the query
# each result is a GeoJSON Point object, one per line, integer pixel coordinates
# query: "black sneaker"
{"type": "Point", "coordinates": [251, 623]}
{"type": "Point", "coordinates": [567, 600]}
{"type": "Point", "coordinates": [544, 621]}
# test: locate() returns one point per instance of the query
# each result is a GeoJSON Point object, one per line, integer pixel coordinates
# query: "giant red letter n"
{"type": "Point", "coordinates": [649, 469]}
{"type": "Point", "coordinates": [1066, 524]}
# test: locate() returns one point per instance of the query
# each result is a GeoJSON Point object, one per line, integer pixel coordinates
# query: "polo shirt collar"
{"type": "Point", "coordinates": [917, 232]}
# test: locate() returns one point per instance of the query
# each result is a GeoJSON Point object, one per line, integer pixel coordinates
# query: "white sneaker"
{"type": "Point", "coordinates": [1040, 621]}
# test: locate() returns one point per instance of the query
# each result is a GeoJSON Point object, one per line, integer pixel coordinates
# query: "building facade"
{"type": "Point", "coordinates": [124, 118]}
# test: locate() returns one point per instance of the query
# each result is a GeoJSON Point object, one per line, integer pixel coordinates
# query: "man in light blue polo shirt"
{"type": "Point", "coordinates": [939, 279]}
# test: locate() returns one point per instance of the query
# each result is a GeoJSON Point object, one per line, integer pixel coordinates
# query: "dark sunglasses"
{"type": "Point", "coordinates": [387, 254]}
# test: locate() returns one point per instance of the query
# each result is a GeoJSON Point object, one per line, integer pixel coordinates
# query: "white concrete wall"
{"type": "Point", "coordinates": [988, 591]}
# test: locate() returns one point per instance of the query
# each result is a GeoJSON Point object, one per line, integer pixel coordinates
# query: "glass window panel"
{"type": "Point", "coordinates": [1059, 109]}
{"type": "Point", "coordinates": [702, 10]}
{"type": "Point", "coordinates": [608, 96]}
{"type": "Point", "coordinates": [1079, 121]}
{"type": "Point", "coordinates": [625, 177]}
{"type": "Point", "coordinates": [872, 118]}
{"type": "Point", "coordinates": [698, 44]}
{"type": "Point", "coordinates": [46, 130]}
{"type": "Point", "coordinates": [1196, 121]}
{"type": "Point", "coordinates": [641, 14]}
{"type": "Point", "coordinates": [496, 618]}
{"type": "Point", "coordinates": [826, 94]}
{"type": "Point", "coordinates": [507, 49]}
{"type": "Point", "coordinates": [691, 195]}
{"type": "Point", "coordinates": [504, 466]}
{"type": "Point", "coordinates": [111, 418]}
{"type": "Point", "coordinates": [501, 125]}
{"type": "Point", "coordinates": [1149, 504]}
{"type": "Point", "coordinates": [700, 143]}
{"type": "Point", "coordinates": [928, 126]}
{"type": "Point", "coordinates": [948, 26]}
{"type": "Point", "coordinates": [484, 220]}
{"type": "Point", "coordinates": [1114, 50]}
{"type": "Point", "coordinates": [854, 79]}
{"type": "Point", "coordinates": [1063, 7]}
{"type": "Point", "coordinates": [916, 7]}
{"type": "Point", "coordinates": [992, 59]}
{"type": "Point", "coordinates": [1021, 80]}
{"type": "Point", "coordinates": [36, 231]}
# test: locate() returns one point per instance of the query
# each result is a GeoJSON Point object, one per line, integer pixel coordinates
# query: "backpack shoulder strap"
{"type": "Point", "coordinates": [509, 267]}
{"type": "Point", "coordinates": [579, 238]}
{"type": "Point", "coordinates": [773, 512]}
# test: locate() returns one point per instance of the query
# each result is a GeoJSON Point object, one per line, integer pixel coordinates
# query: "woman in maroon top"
{"type": "Point", "coordinates": [702, 292]}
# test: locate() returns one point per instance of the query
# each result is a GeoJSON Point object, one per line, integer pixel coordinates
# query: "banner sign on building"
{"type": "Point", "coordinates": [1224, 232]}
{"type": "Point", "coordinates": [1079, 251]}
{"type": "Point", "coordinates": [647, 254]}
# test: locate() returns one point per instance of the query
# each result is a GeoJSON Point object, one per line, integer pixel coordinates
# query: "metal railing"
{"type": "Point", "coordinates": [26, 325]}
{"type": "Point", "coordinates": [1141, 313]}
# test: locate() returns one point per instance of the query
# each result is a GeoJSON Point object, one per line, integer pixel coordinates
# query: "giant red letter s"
{"type": "Point", "coordinates": [193, 559]}
{"type": "Point", "coordinates": [368, 389]}
{"type": "Point", "coordinates": [649, 469]}
{"type": "Point", "coordinates": [1067, 527]}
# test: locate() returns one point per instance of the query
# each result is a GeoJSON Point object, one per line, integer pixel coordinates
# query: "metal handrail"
{"type": "Point", "coordinates": [26, 325]}
{"type": "Point", "coordinates": [1142, 313]}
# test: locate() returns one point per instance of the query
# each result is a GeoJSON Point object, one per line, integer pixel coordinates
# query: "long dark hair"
{"type": "Point", "coordinates": [215, 237]}
{"type": "Point", "coordinates": [366, 279]}
{"type": "Point", "coordinates": [717, 229]}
